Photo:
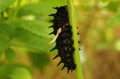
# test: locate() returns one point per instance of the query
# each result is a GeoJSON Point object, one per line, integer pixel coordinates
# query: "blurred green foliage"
{"type": "Point", "coordinates": [24, 24]}
{"type": "Point", "coordinates": [42, 58]}
{"type": "Point", "coordinates": [14, 72]}
{"type": "Point", "coordinates": [99, 27]}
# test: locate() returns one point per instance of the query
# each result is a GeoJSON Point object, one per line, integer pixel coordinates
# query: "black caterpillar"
{"type": "Point", "coordinates": [64, 42]}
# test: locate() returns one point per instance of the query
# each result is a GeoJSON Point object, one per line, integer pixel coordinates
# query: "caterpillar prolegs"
{"type": "Point", "coordinates": [63, 39]}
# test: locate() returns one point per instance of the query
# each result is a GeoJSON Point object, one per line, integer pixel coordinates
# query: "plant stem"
{"type": "Point", "coordinates": [17, 8]}
{"type": "Point", "coordinates": [73, 23]}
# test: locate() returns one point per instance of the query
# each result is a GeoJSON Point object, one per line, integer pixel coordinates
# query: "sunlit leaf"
{"type": "Point", "coordinates": [43, 8]}
{"type": "Point", "coordinates": [53, 3]}
{"type": "Point", "coordinates": [27, 39]}
{"type": "Point", "coordinates": [5, 4]}
{"type": "Point", "coordinates": [39, 28]}
{"type": "Point", "coordinates": [35, 9]}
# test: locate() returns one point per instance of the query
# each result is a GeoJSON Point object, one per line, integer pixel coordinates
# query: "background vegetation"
{"type": "Point", "coordinates": [24, 39]}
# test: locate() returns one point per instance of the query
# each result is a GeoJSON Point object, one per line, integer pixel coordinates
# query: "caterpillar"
{"type": "Point", "coordinates": [63, 38]}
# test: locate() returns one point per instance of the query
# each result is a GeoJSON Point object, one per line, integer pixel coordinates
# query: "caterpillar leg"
{"type": "Point", "coordinates": [56, 36]}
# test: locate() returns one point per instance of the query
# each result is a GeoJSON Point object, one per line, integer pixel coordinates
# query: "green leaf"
{"type": "Point", "coordinates": [6, 31]}
{"type": "Point", "coordinates": [10, 55]}
{"type": "Point", "coordinates": [4, 72]}
{"type": "Point", "coordinates": [114, 21]}
{"type": "Point", "coordinates": [20, 73]}
{"type": "Point", "coordinates": [14, 72]}
{"type": "Point", "coordinates": [5, 4]}
{"type": "Point", "coordinates": [3, 44]}
{"type": "Point", "coordinates": [53, 3]}
{"type": "Point", "coordinates": [43, 8]}
{"type": "Point", "coordinates": [27, 39]}
{"type": "Point", "coordinates": [39, 28]}
{"type": "Point", "coordinates": [36, 9]}
{"type": "Point", "coordinates": [39, 60]}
